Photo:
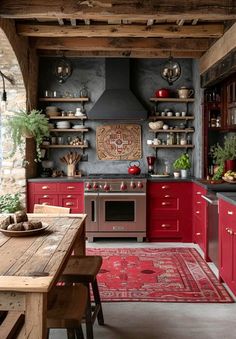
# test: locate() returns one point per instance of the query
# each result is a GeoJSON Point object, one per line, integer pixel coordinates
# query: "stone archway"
{"type": "Point", "coordinates": [12, 174]}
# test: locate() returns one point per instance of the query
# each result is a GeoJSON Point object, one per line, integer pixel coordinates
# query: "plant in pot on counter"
{"type": "Point", "coordinates": [182, 164]}
{"type": "Point", "coordinates": [224, 156]}
{"type": "Point", "coordinates": [24, 124]}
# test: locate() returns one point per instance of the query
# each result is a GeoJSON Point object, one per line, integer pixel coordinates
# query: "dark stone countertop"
{"type": "Point", "coordinates": [228, 196]}
{"type": "Point", "coordinates": [217, 187]}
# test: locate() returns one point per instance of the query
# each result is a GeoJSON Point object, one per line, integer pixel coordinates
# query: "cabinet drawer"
{"type": "Point", "coordinates": [69, 201]}
{"type": "Point", "coordinates": [168, 189]}
{"type": "Point", "coordinates": [166, 225]}
{"type": "Point", "coordinates": [164, 204]}
{"type": "Point", "coordinates": [44, 187]}
{"type": "Point", "coordinates": [71, 187]}
{"type": "Point", "coordinates": [164, 228]}
{"type": "Point", "coordinates": [46, 199]}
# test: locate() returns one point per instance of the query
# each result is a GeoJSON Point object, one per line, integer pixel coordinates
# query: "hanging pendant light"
{"type": "Point", "coordinates": [171, 71]}
{"type": "Point", "coordinates": [63, 69]}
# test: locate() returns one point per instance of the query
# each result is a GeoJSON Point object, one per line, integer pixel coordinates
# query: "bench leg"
{"type": "Point", "coordinates": [98, 303]}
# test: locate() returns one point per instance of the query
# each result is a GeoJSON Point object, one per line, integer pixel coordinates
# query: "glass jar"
{"type": "Point", "coordinates": [83, 92]}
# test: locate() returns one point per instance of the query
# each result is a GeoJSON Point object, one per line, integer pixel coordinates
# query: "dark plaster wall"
{"type": "Point", "coordinates": [145, 79]}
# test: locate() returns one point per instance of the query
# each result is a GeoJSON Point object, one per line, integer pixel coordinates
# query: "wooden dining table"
{"type": "Point", "coordinates": [31, 265]}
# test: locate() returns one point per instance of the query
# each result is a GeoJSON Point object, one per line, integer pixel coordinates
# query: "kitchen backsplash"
{"type": "Point", "coordinates": [145, 80]}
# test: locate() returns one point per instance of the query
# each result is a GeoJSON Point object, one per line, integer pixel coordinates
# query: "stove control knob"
{"type": "Point", "coordinates": [132, 185]}
{"type": "Point", "coordinates": [123, 186]}
{"type": "Point", "coordinates": [88, 186]}
{"type": "Point", "coordinates": [140, 184]}
{"type": "Point", "coordinates": [95, 186]}
{"type": "Point", "coordinates": [106, 187]}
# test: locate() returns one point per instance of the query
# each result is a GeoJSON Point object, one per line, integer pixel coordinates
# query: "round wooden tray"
{"type": "Point", "coordinates": [229, 181]}
{"type": "Point", "coordinates": [27, 233]}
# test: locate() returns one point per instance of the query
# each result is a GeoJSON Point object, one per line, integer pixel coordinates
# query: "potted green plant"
{"type": "Point", "coordinates": [26, 124]}
{"type": "Point", "coordinates": [10, 203]}
{"type": "Point", "coordinates": [225, 156]}
{"type": "Point", "coordinates": [182, 163]}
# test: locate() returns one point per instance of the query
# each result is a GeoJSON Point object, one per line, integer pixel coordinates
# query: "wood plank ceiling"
{"type": "Point", "coordinates": [135, 28]}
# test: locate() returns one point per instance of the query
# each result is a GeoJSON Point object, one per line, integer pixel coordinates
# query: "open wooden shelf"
{"type": "Point", "coordinates": [69, 130]}
{"type": "Point", "coordinates": [172, 100]}
{"type": "Point", "coordinates": [64, 99]}
{"type": "Point", "coordinates": [158, 117]}
{"type": "Point", "coordinates": [172, 146]}
{"type": "Point", "coordinates": [64, 146]}
{"type": "Point", "coordinates": [186, 130]}
{"type": "Point", "coordinates": [68, 118]}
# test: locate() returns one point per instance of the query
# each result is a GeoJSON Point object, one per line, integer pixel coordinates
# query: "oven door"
{"type": "Point", "coordinates": [119, 212]}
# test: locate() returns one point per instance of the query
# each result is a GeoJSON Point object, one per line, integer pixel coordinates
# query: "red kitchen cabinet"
{"type": "Point", "coordinates": [169, 207]}
{"type": "Point", "coordinates": [57, 194]}
{"type": "Point", "coordinates": [72, 197]}
{"type": "Point", "coordinates": [227, 241]}
{"type": "Point", "coordinates": [199, 218]}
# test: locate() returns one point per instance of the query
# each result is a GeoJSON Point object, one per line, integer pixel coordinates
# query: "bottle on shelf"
{"type": "Point", "coordinates": [177, 139]}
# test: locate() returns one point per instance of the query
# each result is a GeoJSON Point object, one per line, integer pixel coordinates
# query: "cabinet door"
{"type": "Point", "coordinates": [227, 213]}
{"type": "Point", "coordinates": [231, 103]}
{"type": "Point", "coordinates": [72, 195]}
{"type": "Point", "coordinates": [169, 211]}
{"type": "Point", "coordinates": [41, 193]}
{"type": "Point", "coordinates": [199, 218]}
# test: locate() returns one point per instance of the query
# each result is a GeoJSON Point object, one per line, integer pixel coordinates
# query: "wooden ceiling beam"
{"type": "Point", "coordinates": [123, 54]}
{"type": "Point", "coordinates": [116, 9]}
{"type": "Point", "coordinates": [219, 50]}
{"type": "Point", "coordinates": [165, 31]}
{"type": "Point", "coordinates": [93, 44]}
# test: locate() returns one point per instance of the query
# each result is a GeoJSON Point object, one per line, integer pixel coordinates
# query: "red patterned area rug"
{"type": "Point", "coordinates": [163, 275]}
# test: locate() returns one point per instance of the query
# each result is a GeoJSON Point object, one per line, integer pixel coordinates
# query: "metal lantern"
{"type": "Point", "coordinates": [63, 69]}
{"type": "Point", "coordinates": [171, 71]}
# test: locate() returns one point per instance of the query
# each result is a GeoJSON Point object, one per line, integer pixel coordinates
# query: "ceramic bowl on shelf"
{"type": "Point", "coordinates": [156, 125]}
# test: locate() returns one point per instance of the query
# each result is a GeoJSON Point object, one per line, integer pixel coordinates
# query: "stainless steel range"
{"type": "Point", "coordinates": [116, 206]}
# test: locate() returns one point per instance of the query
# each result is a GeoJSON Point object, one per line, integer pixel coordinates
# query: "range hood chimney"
{"type": "Point", "coordinates": [117, 101]}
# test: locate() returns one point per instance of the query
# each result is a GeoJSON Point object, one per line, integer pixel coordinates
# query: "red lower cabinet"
{"type": "Point", "coordinates": [57, 194]}
{"type": "Point", "coordinates": [169, 211]}
{"type": "Point", "coordinates": [227, 241]}
{"type": "Point", "coordinates": [200, 218]}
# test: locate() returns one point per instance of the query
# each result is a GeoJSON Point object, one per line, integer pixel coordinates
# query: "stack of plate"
{"type": "Point", "coordinates": [63, 124]}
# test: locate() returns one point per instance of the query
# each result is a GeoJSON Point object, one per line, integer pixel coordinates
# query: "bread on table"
{"type": "Point", "coordinates": [19, 222]}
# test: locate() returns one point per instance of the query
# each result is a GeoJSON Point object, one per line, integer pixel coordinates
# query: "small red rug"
{"type": "Point", "coordinates": [164, 275]}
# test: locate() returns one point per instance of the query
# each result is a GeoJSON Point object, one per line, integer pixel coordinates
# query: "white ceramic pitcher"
{"type": "Point", "coordinates": [185, 92]}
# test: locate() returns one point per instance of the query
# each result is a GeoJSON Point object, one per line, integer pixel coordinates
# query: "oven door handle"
{"type": "Point", "coordinates": [90, 194]}
{"type": "Point", "coordinates": [121, 194]}
{"type": "Point", "coordinates": [211, 200]}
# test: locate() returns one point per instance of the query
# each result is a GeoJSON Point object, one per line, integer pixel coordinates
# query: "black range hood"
{"type": "Point", "coordinates": [117, 101]}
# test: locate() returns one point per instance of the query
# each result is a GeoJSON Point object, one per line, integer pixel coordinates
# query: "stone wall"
{"type": "Point", "coordinates": [12, 174]}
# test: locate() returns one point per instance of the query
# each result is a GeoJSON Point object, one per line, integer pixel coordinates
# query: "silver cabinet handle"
{"type": "Point", "coordinates": [69, 204]}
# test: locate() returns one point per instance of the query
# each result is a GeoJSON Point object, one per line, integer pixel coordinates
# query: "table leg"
{"type": "Point", "coordinates": [79, 247]}
{"type": "Point", "coordinates": [36, 316]}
